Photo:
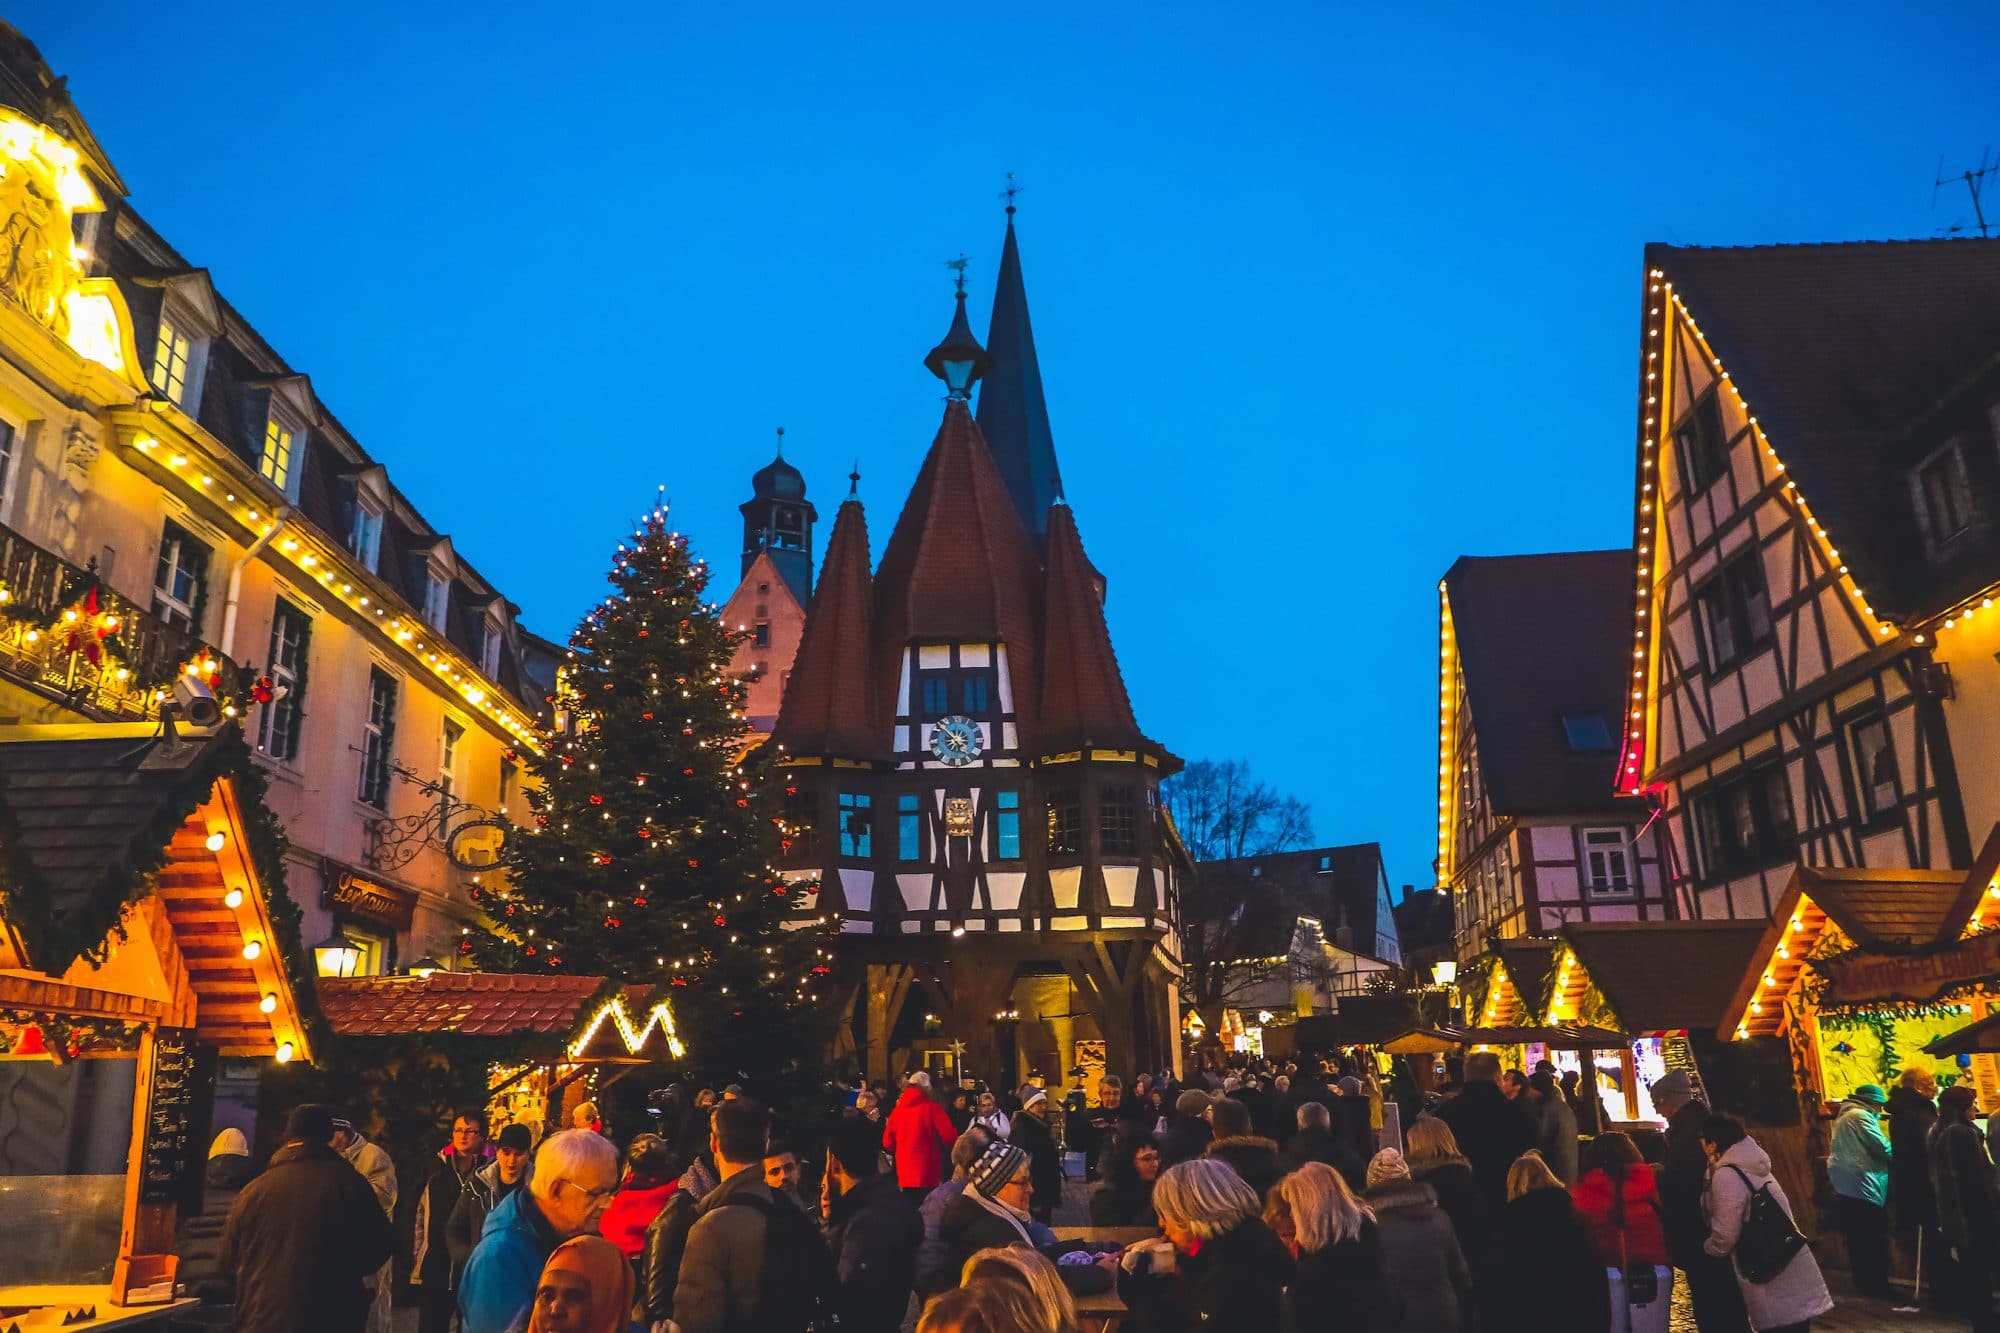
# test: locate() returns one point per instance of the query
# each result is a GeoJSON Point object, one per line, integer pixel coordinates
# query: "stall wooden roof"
{"type": "Point", "coordinates": [1665, 976]}
{"type": "Point", "coordinates": [108, 827]}
{"type": "Point", "coordinates": [1884, 911]}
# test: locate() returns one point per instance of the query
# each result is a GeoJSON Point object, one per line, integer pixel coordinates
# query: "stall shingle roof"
{"type": "Point", "coordinates": [474, 1004]}
{"type": "Point", "coordinates": [1889, 911]}
{"type": "Point", "coordinates": [1661, 976]}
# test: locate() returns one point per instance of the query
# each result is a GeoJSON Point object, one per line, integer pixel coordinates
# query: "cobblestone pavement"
{"type": "Point", "coordinates": [1851, 1314]}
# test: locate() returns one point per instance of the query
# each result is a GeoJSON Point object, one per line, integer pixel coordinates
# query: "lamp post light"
{"type": "Point", "coordinates": [424, 967]}
{"type": "Point", "coordinates": [1445, 973]}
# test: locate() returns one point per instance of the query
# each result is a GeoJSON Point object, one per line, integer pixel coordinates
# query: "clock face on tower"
{"type": "Point", "coordinates": [956, 740]}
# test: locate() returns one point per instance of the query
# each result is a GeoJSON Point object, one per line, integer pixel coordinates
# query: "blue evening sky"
{"type": "Point", "coordinates": [1325, 295]}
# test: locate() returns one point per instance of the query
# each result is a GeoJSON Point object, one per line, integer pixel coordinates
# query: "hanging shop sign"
{"type": "Point", "coordinates": [365, 900]}
{"type": "Point", "coordinates": [1865, 978]}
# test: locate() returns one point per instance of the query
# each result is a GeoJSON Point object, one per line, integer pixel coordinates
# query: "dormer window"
{"type": "Point", "coordinates": [364, 539]}
{"type": "Point", "coordinates": [490, 642]}
{"type": "Point", "coordinates": [278, 463]}
{"type": "Point", "coordinates": [171, 357]}
{"type": "Point", "coordinates": [437, 598]}
{"type": "Point", "coordinates": [1943, 497]}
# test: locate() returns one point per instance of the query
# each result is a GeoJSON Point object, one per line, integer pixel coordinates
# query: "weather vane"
{"type": "Point", "coordinates": [957, 266]}
{"type": "Point", "coordinates": [854, 480]}
{"type": "Point", "coordinates": [1009, 193]}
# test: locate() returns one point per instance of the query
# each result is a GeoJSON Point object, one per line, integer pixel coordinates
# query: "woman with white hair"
{"type": "Point", "coordinates": [1333, 1237]}
{"type": "Point", "coordinates": [1219, 1266]}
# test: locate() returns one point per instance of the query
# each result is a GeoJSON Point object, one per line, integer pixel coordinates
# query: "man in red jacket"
{"type": "Point", "coordinates": [919, 1136]}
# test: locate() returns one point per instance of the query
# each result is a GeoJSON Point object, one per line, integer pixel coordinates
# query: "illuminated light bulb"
{"type": "Point", "coordinates": [216, 840]}
{"type": "Point", "coordinates": [253, 950]}
{"type": "Point", "coordinates": [284, 1052]}
{"type": "Point", "coordinates": [233, 898]}
{"type": "Point", "coordinates": [269, 1004]}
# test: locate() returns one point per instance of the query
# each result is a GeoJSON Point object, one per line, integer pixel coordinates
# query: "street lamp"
{"type": "Point", "coordinates": [337, 955]}
{"type": "Point", "coordinates": [424, 966]}
{"type": "Point", "coordinates": [1445, 973]}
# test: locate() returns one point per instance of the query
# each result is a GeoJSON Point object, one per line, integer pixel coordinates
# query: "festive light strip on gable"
{"type": "Point", "coordinates": [614, 1010]}
{"type": "Point", "coordinates": [1764, 1014]}
{"type": "Point", "coordinates": [1447, 739]}
{"type": "Point", "coordinates": [1566, 1000]}
{"type": "Point", "coordinates": [1665, 306]}
{"type": "Point", "coordinates": [319, 563]}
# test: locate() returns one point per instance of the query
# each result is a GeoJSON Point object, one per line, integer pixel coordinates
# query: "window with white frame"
{"type": "Point", "coordinates": [1607, 861]}
{"type": "Point", "coordinates": [171, 355]}
{"type": "Point", "coordinates": [490, 643]}
{"type": "Point", "coordinates": [278, 461]}
{"type": "Point", "coordinates": [364, 539]}
{"type": "Point", "coordinates": [378, 739]}
{"type": "Point", "coordinates": [291, 638]}
{"type": "Point", "coordinates": [180, 578]}
{"type": "Point", "coordinates": [437, 598]}
{"type": "Point", "coordinates": [454, 735]}
{"type": "Point", "coordinates": [10, 443]}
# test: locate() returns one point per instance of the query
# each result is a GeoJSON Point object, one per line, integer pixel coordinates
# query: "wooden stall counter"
{"type": "Point", "coordinates": [31, 1308]}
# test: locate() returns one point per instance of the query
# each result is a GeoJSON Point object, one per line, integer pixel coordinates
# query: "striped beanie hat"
{"type": "Point", "coordinates": [996, 1167]}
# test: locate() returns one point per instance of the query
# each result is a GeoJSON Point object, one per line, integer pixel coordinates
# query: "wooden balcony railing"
{"type": "Point", "coordinates": [113, 678]}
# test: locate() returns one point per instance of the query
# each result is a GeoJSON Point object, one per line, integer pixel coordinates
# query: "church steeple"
{"type": "Point", "coordinates": [778, 520]}
{"type": "Point", "coordinates": [1013, 414]}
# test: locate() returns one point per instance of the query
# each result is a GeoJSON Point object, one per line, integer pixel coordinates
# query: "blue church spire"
{"type": "Point", "coordinates": [1013, 414]}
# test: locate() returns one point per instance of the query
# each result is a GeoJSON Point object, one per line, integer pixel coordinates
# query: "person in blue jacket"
{"type": "Point", "coordinates": [1857, 1164]}
{"type": "Point", "coordinates": [575, 1175]}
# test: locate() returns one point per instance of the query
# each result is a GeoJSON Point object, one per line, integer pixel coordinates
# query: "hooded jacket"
{"type": "Point", "coordinates": [1602, 1202]}
{"type": "Point", "coordinates": [1793, 1296]}
{"type": "Point", "coordinates": [1857, 1162]}
{"type": "Point", "coordinates": [499, 1279]}
{"type": "Point", "coordinates": [1428, 1279]}
{"type": "Point", "coordinates": [1253, 1158]}
{"type": "Point", "coordinates": [919, 1136]}
{"type": "Point", "coordinates": [430, 1253]}
{"type": "Point", "coordinates": [483, 1189]}
{"type": "Point", "coordinates": [299, 1241]}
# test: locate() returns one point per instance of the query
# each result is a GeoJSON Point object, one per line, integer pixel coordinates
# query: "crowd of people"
{"type": "Point", "coordinates": [1261, 1197]}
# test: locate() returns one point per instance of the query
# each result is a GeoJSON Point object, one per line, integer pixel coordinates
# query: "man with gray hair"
{"type": "Point", "coordinates": [575, 1175]}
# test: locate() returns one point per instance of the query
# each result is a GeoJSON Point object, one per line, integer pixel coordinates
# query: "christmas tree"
{"type": "Point", "coordinates": [650, 856]}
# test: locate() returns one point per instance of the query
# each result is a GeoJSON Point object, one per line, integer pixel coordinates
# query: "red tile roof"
{"type": "Point", "coordinates": [958, 567]}
{"type": "Point", "coordinates": [829, 705]}
{"type": "Point", "coordinates": [1083, 694]}
{"type": "Point", "coordinates": [475, 1004]}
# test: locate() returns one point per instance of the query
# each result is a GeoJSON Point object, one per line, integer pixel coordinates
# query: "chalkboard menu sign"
{"type": "Point", "coordinates": [1678, 1053]}
{"type": "Point", "coordinates": [165, 1157]}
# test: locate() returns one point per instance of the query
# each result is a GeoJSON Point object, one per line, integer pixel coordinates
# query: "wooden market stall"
{"type": "Point", "coordinates": [555, 1040]}
{"type": "Point", "coordinates": [144, 934]}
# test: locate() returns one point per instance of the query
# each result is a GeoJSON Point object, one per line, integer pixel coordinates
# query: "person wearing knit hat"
{"type": "Point", "coordinates": [1419, 1247]}
{"type": "Point", "coordinates": [1857, 1166]}
{"type": "Point", "coordinates": [993, 1210]}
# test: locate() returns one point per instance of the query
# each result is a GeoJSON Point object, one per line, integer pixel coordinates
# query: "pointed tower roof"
{"type": "Point", "coordinates": [959, 566]}
{"type": "Point", "coordinates": [1083, 693]}
{"type": "Point", "coordinates": [829, 706]}
{"type": "Point", "coordinates": [1013, 414]}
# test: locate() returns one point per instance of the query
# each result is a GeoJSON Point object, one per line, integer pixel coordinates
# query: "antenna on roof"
{"type": "Point", "coordinates": [1973, 182]}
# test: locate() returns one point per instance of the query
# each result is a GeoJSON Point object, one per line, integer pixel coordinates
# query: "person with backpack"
{"type": "Point", "coordinates": [752, 1264]}
{"type": "Point", "coordinates": [873, 1231]}
{"type": "Point", "coordinates": [1750, 1223]}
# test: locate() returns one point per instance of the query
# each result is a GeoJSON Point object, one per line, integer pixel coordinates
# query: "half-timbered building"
{"type": "Point", "coordinates": [1812, 636]}
{"type": "Point", "coordinates": [966, 779]}
{"type": "Point", "coordinates": [1532, 835]}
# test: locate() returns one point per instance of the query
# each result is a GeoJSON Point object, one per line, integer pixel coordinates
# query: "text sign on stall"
{"type": "Point", "coordinates": [167, 1153]}
{"type": "Point", "coordinates": [1677, 1052]}
{"type": "Point", "coordinates": [1862, 978]}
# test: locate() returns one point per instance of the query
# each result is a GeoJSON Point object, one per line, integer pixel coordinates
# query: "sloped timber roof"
{"type": "Point", "coordinates": [1666, 976]}
{"type": "Point", "coordinates": [474, 1004]}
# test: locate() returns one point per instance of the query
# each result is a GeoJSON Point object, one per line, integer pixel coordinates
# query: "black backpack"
{"type": "Point", "coordinates": [1769, 1239]}
{"type": "Point", "coordinates": [798, 1269]}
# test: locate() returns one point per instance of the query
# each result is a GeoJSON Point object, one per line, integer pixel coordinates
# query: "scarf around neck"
{"type": "Point", "coordinates": [1012, 1216]}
